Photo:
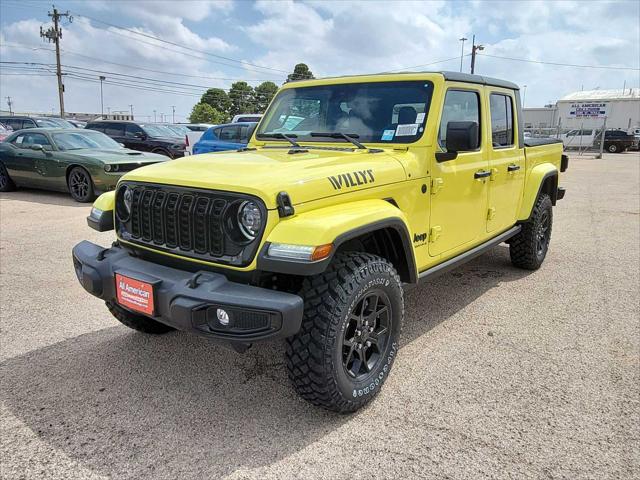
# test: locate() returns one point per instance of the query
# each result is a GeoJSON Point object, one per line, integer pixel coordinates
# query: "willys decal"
{"type": "Point", "coordinates": [351, 179]}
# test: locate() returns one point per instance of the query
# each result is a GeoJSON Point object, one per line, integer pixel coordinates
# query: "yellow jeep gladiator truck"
{"type": "Point", "coordinates": [350, 188]}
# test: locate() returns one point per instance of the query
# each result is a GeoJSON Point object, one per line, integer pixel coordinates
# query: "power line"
{"type": "Point", "coordinates": [137, 67]}
{"type": "Point", "coordinates": [425, 64]}
{"type": "Point", "coordinates": [202, 52]}
{"type": "Point", "coordinates": [559, 64]}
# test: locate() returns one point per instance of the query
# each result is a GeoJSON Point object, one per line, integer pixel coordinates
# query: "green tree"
{"type": "Point", "coordinates": [300, 72]}
{"type": "Point", "coordinates": [205, 113]}
{"type": "Point", "coordinates": [263, 94]}
{"type": "Point", "coordinates": [218, 99]}
{"type": "Point", "coordinates": [242, 98]}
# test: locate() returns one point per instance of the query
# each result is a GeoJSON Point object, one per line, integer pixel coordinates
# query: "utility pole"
{"type": "Point", "coordinates": [173, 114]}
{"type": "Point", "coordinates": [474, 48]}
{"type": "Point", "coordinates": [463, 39]}
{"type": "Point", "coordinates": [131, 107]}
{"type": "Point", "coordinates": [54, 34]}
{"type": "Point", "coordinates": [154, 116]}
{"type": "Point", "coordinates": [524, 95]}
{"type": "Point", "coordinates": [9, 103]}
{"type": "Point", "coordinates": [102, 79]}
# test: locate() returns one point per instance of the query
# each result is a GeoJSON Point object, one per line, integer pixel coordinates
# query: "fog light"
{"type": "Point", "coordinates": [223, 316]}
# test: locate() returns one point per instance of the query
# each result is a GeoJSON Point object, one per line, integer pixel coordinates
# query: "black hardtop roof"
{"type": "Point", "coordinates": [481, 79]}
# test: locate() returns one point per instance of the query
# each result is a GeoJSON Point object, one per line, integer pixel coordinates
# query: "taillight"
{"type": "Point", "coordinates": [186, 140]}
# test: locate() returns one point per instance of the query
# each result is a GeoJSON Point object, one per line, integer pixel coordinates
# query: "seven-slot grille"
{"type": "Point", "coordinates": [187, 221]}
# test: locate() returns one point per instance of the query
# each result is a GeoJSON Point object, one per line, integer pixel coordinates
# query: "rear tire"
{"type": "Point", "coordinates": [6, 184]}
{"type": "Point", "coordinates": [613, 148]}
{"type": "Point", "coordinates": [137, 322]}
{"type": "Point", "coordinates": [528, 248]}
{"type": "Point", "coordinates": [80, 185]}
{"type": "Point", "coordinates": [349, 335]}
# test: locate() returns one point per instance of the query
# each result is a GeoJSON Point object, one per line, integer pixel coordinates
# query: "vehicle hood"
{"type": "Point", "coordinates": [266, 172]}
{"type": "Point", "coordinates": [117, 155]}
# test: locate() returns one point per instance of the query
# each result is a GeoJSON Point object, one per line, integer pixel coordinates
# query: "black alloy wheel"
{"type": "Point", "coordinates": [6, 184]}
{"type": "Point", "coordinates": [80, 185]}
{"type": "Point", "coordinates": [543, 233]}
{"type": "Point", "coordinates": [366, 334]}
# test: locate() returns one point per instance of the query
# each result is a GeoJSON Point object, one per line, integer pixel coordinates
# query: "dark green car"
{"type": "Point", "coordinates": [82, 162]}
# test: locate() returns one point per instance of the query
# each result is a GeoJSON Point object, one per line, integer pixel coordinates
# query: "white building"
{"type": "Point", "coordinates": [588, 109]}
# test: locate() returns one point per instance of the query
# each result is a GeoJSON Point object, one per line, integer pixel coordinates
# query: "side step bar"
{"type": "Point", "coordinates": [455, 262]}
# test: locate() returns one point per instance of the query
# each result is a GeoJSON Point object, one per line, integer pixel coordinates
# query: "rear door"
{"type": "Point", "coordinates": [459, 199]}
{"type": "Point", "coordinates": [506, 161]}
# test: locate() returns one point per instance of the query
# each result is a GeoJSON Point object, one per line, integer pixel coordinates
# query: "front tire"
{"type": "Point", "coordinates": [80, 185]}
{"type": "Point", "coordinates": [528, 248]}
{"type": "Point", "coordinates": [137, 322]}
{"type": "Point", "coordinates": [349, 335]}
{"type": "Point", "coordinates": [613, 148]}
{"type": "Point", "coordinates": [6, 184]}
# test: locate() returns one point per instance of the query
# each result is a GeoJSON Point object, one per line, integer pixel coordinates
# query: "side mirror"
{"type": "Point", "coordinates": [121, 144]}
{"type": "Point", "coordinates": [140, 135]}
{"type": "Point", "coordinates": [461, 137]}
{"type": "Point", "coordinates": [37, 146]}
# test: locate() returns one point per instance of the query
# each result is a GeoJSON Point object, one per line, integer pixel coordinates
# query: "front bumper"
{"type": "Point", "coordinates": [188, 301]}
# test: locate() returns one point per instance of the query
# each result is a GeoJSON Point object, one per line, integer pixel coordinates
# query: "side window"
{"type": "Point", "coordinates": [586, 132]}
{"type": "Point", "coordinates": [459, 106]}
{"type": "Point", "coordinates": [14, 123]}
{"type": "Point", "coordinates": [40, 139]}
{"type": "Point", "coordinates": [131, 130]}
{"type": "Point", "coordinates": [28, 123]}
{"type": "Point", "coordinates": [95, 126]}
{"type": "Point", "coordinates": [114, 129]}
{"type": "Point", "coordinates": [245, 133]}
{"type": "Point", "coordinates": [18, 141]}
{"type": "Point", "coordinates": [501, 110]}
{"type": "Point", "coordinates": [229, 134]}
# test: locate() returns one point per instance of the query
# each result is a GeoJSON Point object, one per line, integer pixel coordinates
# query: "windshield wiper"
{"type": "Point", "coordinates": [288, 137]}
{"type": "Point", "coordinates": [349, 137]}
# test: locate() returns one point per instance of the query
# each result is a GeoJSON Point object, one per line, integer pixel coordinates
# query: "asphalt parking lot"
{"type": "Point", "coordinates": [502, 374]}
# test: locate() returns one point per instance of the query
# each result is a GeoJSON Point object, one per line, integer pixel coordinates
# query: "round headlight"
{"type": "Point", "coordinates": [249, 219]}
{"type": "Point", "coordinates": [124, 199]}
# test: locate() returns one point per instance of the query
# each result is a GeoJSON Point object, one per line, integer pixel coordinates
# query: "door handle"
{"type": "Point", "coordinates": [513, 168]}
{"type": "Point", "coordinates": [482, 174]}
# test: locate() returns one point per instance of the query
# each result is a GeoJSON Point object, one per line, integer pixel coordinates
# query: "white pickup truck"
{"type": "Point", "coordinates": [196, 131]}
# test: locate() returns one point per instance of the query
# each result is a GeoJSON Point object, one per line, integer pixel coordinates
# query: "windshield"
{"type": "Point", "coordinates": [158, 130]}
{"type": "Point", "coordinates": [381, 112]}
{"type": "Point", "coordinates": [84, 139]}
{"type": "Point", "coordinates": [48, 123]}
{"type": "Point", "coordinates": [179, 129]}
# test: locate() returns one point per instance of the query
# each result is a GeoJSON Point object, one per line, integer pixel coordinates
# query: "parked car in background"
{"type": "Point", "coordinates": [144, 137]}
{"type": "Point", "coordinates": [82, 162]}
{"type": "Point", "coordinates": [579, 138]}
{"type": "Point", "coordinates": [636, 134]}
{"type": "Point", "coordinates": [246, 117]}
{"type": "Point", "coordinates": [616, 141]}
{"type": "Point", "coordinates": [5, 131]}
{"type": "Point", "coordinates": [230, 136]}
{"type": "Point", "coordinates": [77, 123]}
{"type": "Point", "coordinates": [20, 122]}
{"type": "Point", "coordinates": [196, 130]}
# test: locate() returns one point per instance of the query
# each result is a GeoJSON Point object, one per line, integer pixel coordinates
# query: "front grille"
{"type": "Point", "coordinates": [185, 221]}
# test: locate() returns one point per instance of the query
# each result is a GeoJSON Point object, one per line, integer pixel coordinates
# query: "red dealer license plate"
{"type": "Point", "coordinates": [134, 294]}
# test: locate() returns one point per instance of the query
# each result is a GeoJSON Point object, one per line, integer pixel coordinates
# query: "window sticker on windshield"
{"type": "Point", "coordinates": [407, 130]}
{"type": "Point", "coordinates": [420, 118]}
{"type": "Point", "coordinates": [387, 135]}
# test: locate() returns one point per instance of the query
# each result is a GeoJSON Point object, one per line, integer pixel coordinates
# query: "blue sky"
{"type": "Point", "coordinates": [332, 37]}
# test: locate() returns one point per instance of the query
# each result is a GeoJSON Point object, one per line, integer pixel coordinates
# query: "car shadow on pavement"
{"type": "Point", "coordinates": [128, 405]}
{"type": "Point", "coordinates": [45, 197]}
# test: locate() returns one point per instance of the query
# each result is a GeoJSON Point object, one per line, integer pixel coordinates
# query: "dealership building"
{"type": "Point", "coordinates": [588, 109]}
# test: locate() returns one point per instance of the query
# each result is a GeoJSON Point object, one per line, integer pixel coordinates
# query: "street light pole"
{"type": "Point", "coordinates": [463, 39]}
{"type": "Point", "coordinates": [102, 79]}
{"type": "Point", "coordinates": [131, 107]}
{"type": "Point", "coordinates": [524, 95]}
{"type": "Point", "coordinates": [154, 116]}
{"type": "Point", "coordinates": [173, 114]}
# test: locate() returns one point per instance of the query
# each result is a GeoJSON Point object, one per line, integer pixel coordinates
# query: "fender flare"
{"type": "Point", "coordinates": [347, 222]}
{"type": "Point", "coordinates": [538, 176]}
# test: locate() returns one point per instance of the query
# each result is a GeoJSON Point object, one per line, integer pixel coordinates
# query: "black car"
{"type": "Point", "coordinates": [21, 122]}
{"type": "Point", "coordinates": [616, 141]}
{"type": "Point", "coordinates": [144, 137]}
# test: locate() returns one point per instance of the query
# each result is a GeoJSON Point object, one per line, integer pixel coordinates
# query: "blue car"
{"type": "Point", "coordinates": [230, 136]}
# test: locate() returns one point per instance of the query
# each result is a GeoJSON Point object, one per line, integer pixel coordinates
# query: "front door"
{"type": "Point", "coordinates": [506, 162]}
{"type": "Point", "coordinates": [24, 168]}
{"type": "Point", "coordinates": [459, 186]}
